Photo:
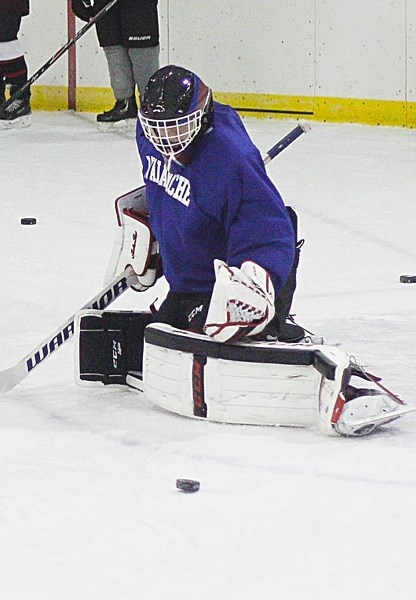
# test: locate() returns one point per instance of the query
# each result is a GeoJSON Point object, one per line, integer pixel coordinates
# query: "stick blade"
{"type": "Point", "coordinates": [10, 377]}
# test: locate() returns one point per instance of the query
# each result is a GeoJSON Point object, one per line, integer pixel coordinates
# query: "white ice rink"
{"type": "Point", "coordinates": [88, 505]}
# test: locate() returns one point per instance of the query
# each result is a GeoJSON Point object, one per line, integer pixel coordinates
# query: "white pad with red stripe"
{"type": "Point", "coordinates": [242, 301]}
{"type": "Point", "coordinates": [134, 242]}
{"type": "Point", "coordinates": [263, 383]}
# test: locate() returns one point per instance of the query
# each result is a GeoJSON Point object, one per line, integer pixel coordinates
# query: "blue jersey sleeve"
{"type": "Point", "coordinates": [258, 225]}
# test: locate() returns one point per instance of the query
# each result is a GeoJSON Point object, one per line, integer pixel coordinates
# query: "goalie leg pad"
{"type": "Point", "coordinates": [247, 383]}
{"type": "Point", "coordinates": [108, 344]}
{"type": "Point", "coordinates": [260, 383]}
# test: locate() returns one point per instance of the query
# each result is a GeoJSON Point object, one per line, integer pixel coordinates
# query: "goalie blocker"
{"type": "Point", "coordinates": [134, 243]}
{"type": "Point", "coordinates": [258, 383]}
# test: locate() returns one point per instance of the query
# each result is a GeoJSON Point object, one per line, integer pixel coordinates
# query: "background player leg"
{"type": "Point", "coordinates": [122, 83]}
{"type": "Point", "coordinates": [15, 74]}
{"type": "Point", "coordinates": [144, 61]}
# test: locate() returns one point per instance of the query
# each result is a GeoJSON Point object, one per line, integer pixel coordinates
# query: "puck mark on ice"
{"type": "Point", "coordinates": [187, 485]}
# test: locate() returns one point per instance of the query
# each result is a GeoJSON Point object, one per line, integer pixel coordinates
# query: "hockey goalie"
{"type": "Point", "coordinates": [221, 346]}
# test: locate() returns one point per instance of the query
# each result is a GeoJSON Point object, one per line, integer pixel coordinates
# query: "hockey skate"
{"type": "Point", "coordinates": [16, 115]}
{"type": "Point", "coordinates": [123, 115]}
{"type": "Point", "coordinates": [365, 413]}
{"type": "Point", "coordinates": [366, 408]}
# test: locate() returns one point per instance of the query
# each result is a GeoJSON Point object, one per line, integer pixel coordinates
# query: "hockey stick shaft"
{"type": "Point", "coordinates": [22, 90]}
{"type": "Point", "coordinates": [13, 375]}
{"type": "Point", "coordinates": [302, 127]}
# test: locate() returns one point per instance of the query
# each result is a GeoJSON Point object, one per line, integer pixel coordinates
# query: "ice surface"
{"type": "Point", "coordinates": [88, 503]}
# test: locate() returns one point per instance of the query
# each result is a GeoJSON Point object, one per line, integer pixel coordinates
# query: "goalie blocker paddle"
{"type": "Point", "coordinates": [10, 377]}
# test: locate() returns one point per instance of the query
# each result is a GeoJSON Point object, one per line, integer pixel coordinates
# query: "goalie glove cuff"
{"type": "Point", "coordinates": [242, 301]}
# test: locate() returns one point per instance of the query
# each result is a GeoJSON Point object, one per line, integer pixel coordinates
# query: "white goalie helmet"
{"type": "Point", "coordinates": [176, 106]}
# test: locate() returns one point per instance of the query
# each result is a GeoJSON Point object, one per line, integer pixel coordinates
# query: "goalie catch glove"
{"type": "Point", "coordinates": [83, 9]}
{"type": "Point", "coordinates": [242, 301]}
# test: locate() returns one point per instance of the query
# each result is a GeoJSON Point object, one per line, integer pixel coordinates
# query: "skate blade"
{"type": "Point", "coordinates": [123, 125]}
{"type": "Point", "coordinates": [19, 123]}
{"type": "Point", "coordinates": [382, 419]}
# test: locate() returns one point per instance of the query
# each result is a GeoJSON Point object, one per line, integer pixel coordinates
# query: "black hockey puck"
{"type": "Point", "coordinates": [407, 278]}
{"type": "Point", "coordinates": [187, 485]}
{"type": "Point", "coordinates": [28, 221]}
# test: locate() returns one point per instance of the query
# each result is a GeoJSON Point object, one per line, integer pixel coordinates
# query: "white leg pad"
{"type": "Point", "coordinates": [232, 391]}
{"type": "Point", "coordinates": [260, 383]}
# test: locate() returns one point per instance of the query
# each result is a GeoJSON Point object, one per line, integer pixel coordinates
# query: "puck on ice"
{"type": "Point", "coordinates": [28, 221]}
{"type": "Point", "coordinates": [407, 278]}
{"type": "Point", "coordinates": [187, 485]}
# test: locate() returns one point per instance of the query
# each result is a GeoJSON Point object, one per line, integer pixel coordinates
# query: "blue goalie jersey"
{"type": "Point", "coordinates": [220, 204]}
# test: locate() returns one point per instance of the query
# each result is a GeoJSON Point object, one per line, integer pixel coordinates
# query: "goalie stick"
{"type": "Point", "coordinates": [14, 375]}
{"type": "Point", "coordinates": [10, 377]}
{"type": "Point", "coordinates": [302, 127]}
{"type": "Point", "coordinates": [22, 90]}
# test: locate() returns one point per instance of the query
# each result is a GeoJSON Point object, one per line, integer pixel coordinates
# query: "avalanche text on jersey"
{"type": "Point", "coordinates": [176, 186]}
